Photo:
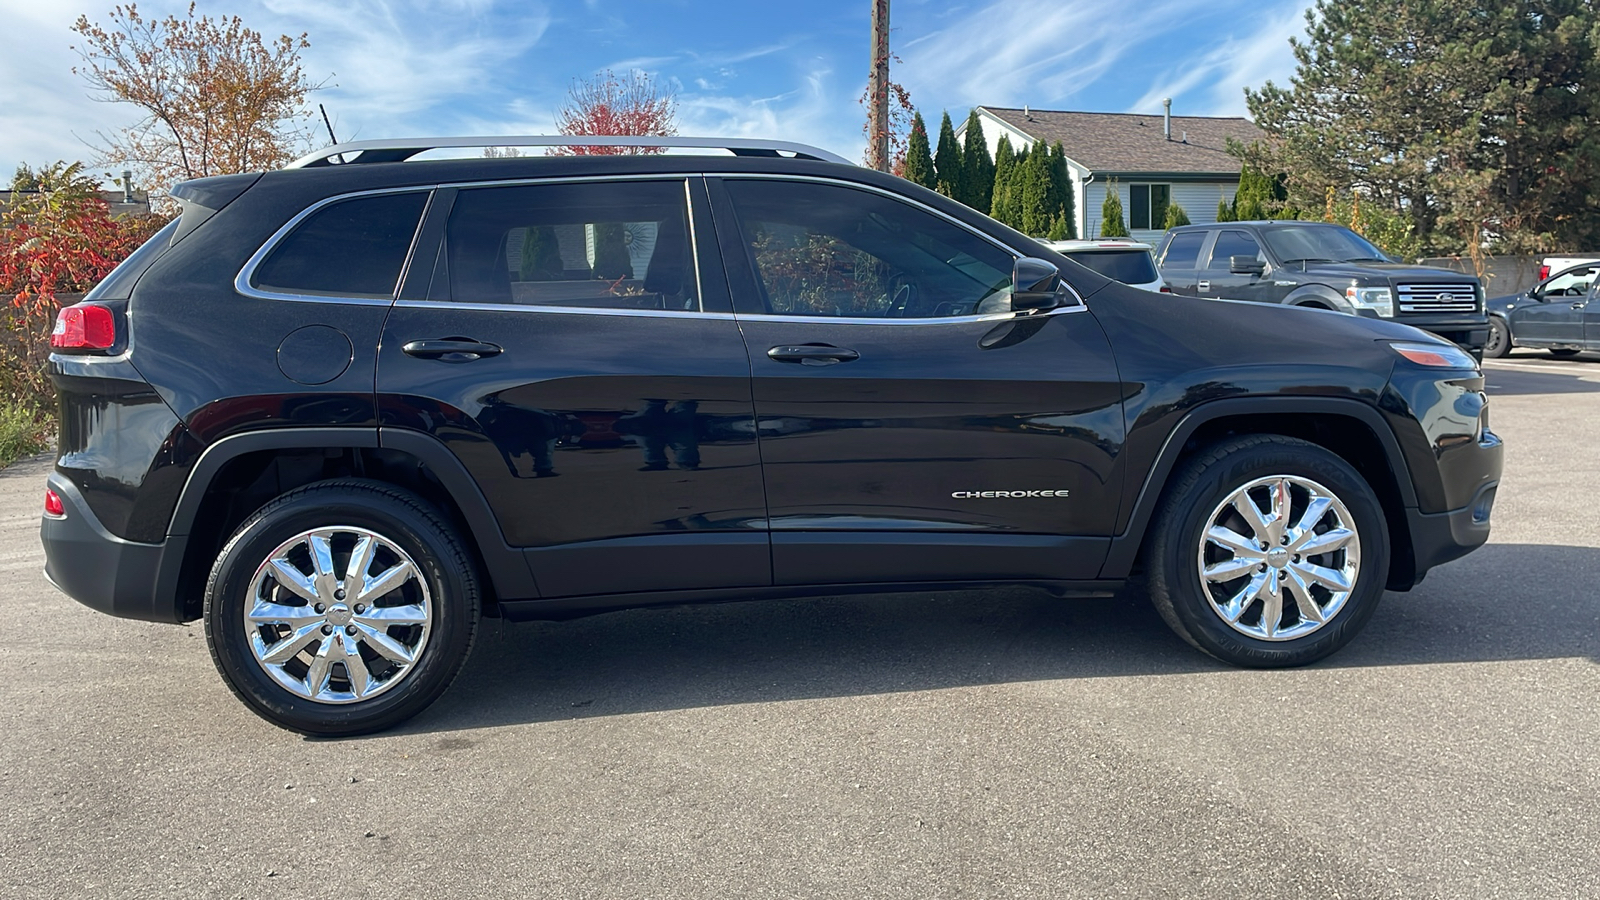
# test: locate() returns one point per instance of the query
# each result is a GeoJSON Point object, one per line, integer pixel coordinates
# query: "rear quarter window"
{"type": "Point", "coordinates": [1126, 266]}
{"type": "Point", "coordinates": [350, 248]}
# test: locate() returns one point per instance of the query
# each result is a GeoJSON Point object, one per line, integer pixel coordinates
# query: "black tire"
{"type": "Point", "coordinates": [410, 525]}
{"type": "Point", "coordinates": [1563, 352]}
{"type": "Point", "coordinates": [1204, 482]}
{"type": "Point", "coordinates": [1499, 343]}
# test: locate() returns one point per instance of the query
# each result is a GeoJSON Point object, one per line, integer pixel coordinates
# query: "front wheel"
{"type": "Point", "coordinates": [1499, 342]}
{"type": "Point", "coordinates": [341, 608]}
{"type": "Point", "coordinates": [1268, 551]}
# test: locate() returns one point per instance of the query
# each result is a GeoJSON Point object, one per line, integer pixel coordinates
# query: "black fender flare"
{"type": "Point", "coordinates": [1320, 293]}
{"type": "Point", "coordinates": [506, 566]}
{"type": "Point", "coordinates": [1125, 546]}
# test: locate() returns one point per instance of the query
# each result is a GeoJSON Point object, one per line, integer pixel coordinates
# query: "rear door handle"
{"type": "Point", "coordinates": [451, 349]}
{"type": "Point", "coordinates": [1203, 286]}
{"type": "Point", "coordinates": [812, 354]}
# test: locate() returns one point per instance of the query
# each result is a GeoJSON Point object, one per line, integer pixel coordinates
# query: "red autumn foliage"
{"type": "Point", "coordinates": [609, 105]}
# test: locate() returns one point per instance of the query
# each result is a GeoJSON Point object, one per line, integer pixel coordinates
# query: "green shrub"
{"type": "Point", "coordinates": [20, 433]}
{"type": "Point", "coordinates": [1175, 216]}
{"type": "Point", "coordinates": [1111, 224]}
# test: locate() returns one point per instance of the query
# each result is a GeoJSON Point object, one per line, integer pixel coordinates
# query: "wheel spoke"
{"type": "Point", "coordinates": [1315, 511]}
{"type": "Point", "coordinates": [321, 666]}
{"type": "Point", "coordinates": [392, 650]}
{"type": "Point", "coordinates": [294, 580]}
{"type": "Point", "coordinates": [322, 560]}
{"type": "Point", "coordinates": [1246, 506]}
{"type": "Point", "coordinates": [355, 571]}
{"type": "Point", "coordinates": [381, 617]}
{"type": "Point", "coordinates": [1272, 603]}
{"type": "Point", "coordinates": [1229, 569]}
{"type": "Point", "coordinates": [1228, 539]}
{"type": "Point", "coordinates": [1332, 579]}
{"type": "Point", "coordinates": [355, 668]}
{"type": "Point", "coordinates": [391, 578]}
{"type": "Point", "coordinates": [1327, 542]}
{"type": "Point", "coordinates": [264, 613]}
{"type": "Point", "coordinates": [1239, 602]}
{"type": "Point", "coordinates": [1303, 601]}
{"type": "Point", "coordinates": [286, 649]}
{"type": "Point", "coordinates": [1282, 506]}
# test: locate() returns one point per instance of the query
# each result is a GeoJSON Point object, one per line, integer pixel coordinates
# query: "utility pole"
{"type": "Point", "coordinates": [878, 90]}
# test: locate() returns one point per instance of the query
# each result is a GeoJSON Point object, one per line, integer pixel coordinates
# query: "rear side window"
{"type": "Point", "coordinates": [1126, 266]}
{"type": "Point", "coordinates": [1230, 244]}
{"type": "Point", "coordinates": [602, 245]}
{"type": "Point", "coordinates": [352, 248]}
{"type": "Point", "coordinates": [1183, 251]}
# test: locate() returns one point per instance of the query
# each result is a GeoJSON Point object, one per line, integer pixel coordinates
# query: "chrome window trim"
{"type": "Point", "coordinates": [743, 317]}
{"type": "Point", "coordinates": [241, 282]}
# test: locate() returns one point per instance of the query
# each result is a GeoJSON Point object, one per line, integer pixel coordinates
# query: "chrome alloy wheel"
{"type": "Point", "coordinates": [1279, 558]}
{"type": "Point", "coordinates": [338, 615]}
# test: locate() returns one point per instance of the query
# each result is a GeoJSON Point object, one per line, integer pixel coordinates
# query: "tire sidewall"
{"type": "Point", "coordinates": [1498, 328]}
{"type": "Point", "coordinates": [1189, 517]}
{"type": "Point", "coordinates": [453, 594]}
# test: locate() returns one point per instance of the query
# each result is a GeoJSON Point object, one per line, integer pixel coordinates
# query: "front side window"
{"type": "Point", "coordinates": [1573, 283]}
{"type": "Point", "coordinates": [351, 248]}
{"type": "Point", "coordinates": [1230, 244]}
{"type": "Point", "coordinates": [602, 245]}
{"type": "Point", "coordinates": [826, 250]}
{"type": "Point", "coordinates": [1147, 205]}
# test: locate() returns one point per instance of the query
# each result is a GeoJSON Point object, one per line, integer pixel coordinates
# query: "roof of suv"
{"type": "Point", "coordinates": [1256, 222]}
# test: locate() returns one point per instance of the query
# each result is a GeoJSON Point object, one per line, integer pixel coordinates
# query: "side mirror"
{"type": "Point", "coordinates": [1246, 265]}
{"type": "Point", "coordinates": [1036, 284]}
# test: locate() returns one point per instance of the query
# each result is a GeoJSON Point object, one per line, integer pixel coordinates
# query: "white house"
{"type": "Point", "coordinates": [1154, 160]}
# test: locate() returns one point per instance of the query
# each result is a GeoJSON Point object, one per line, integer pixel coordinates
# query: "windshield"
{"type": "Point", "coordinates": [1126, 266]}
{"type": "Point", "coordinates": [1297, 243]}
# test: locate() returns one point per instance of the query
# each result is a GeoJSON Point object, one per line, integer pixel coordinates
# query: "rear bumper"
{"type": "Point", "coordinates": [98, 569]}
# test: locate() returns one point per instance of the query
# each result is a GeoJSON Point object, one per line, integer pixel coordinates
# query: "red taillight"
{"type": "Point", "coordinates": [53, 506]}
{"type": "Point", "coordinates": [85, 326]}
{"type": "Point", "coordinates": [1544, 272]}
{"type": "Point", "coordinates": [1165, 289]}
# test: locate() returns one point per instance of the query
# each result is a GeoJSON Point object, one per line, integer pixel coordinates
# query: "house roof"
{"type": "Point", "coordinates": [1126, 142]}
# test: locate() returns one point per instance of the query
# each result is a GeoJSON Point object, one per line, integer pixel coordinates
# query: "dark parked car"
{"type": "Point", "coordinates": [1560, 314]}
{"type": "Point", "coordinates": [340, 411]}
{"type": "Point", "coordinates": [1322, 266]}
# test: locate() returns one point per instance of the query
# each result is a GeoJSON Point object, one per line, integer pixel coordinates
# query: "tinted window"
{"type": "Point", "coordinates": [353, 248]}
{"type": "Point", "coordinates": [1183, 251]}
{"type": "Point", "coordinates": [1126, 266]}
{"type": "Point", "coordinates": [1230, 244]}
{"type": "Point", "coordinates": [823, 250]}
{"type": "Point", "coordinates": [616, 245]}
{"type": "Point", "coordinates": [1292, 243]}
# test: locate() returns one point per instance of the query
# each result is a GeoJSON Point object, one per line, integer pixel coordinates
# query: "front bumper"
{"type": "Point", "coordinates": [1437, 538]}
{"type": "Point", "coordinates": [98, 569]}
{"type": "Point", "coordinates": [1470, 333]}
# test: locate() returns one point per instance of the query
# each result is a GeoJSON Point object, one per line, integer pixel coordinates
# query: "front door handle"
{"type": "Point", "coordinates": [1203, 286]}
{"type": "Point", "coordinates": [812, 354]}
{"type": "Point", "coordinates": [451, 349]}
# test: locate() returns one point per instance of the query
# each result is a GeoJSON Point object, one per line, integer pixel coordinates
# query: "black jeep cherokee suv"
{"type": "Point", "coordinates": [340, 411]}
{"type": "Point", "coordinates": [1322, 266]}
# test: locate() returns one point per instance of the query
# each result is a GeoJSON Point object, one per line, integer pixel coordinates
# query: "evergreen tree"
{"type": "Point", "coordinates": [1175, 216]}
{"type": "Point", "coordinates": [1058, 229]}
{"type": "Point", "coordinates": [1062, 177]}
{"type": "Point", "coordinates": [1037, 204]}
{"type": "Point", "coordinates": [977, 168]}
{"type": "Point", "coordinates": [1111, 224]}
{"type": "Point", "coordinates": [611, 260]}
{"type": "Point", "coordinates": [541, 255]}
{"type": "Point", "coordinates": [1225, 212]}
{"type": "Point", "coordinates": [947, 162]}
{"type": "Point", "coordinates": [1004, 161]}
{"type": "Point", "coordinates": [919, 156]}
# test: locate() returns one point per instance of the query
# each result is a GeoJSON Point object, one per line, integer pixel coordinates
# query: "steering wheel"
{"type": "Point", "coordinates": [901, 300]}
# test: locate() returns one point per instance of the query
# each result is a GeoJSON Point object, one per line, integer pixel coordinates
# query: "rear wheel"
{"type": "Point", "coordinates": [1499, 342]}
{"type": "Point", "coordinates": [1268, 551]}
{"type": "Point", "coordinates": [341, 608]}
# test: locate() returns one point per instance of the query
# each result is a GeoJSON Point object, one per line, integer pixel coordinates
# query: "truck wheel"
{"type": "Point", "coordinates": [1268, 551]}
{"type": "Point", "coordinates": [341, 608]}
{"type": "Point", "coordinates": [1499, 342]}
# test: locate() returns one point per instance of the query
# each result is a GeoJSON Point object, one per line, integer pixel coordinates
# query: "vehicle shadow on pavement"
{"type": "Point", "coordinates": [1512, 383]}
{"type": "Point", "coordinates": [1498, 604]}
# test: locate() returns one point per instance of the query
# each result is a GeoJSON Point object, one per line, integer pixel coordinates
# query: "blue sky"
{"type": "Point", "coordinates": [757, 69]}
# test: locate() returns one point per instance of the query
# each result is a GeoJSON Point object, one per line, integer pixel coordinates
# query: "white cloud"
{"type": "Point", "coordinates": [811, 113]}
{"type": "Point", "coordinates": [1214, 84]}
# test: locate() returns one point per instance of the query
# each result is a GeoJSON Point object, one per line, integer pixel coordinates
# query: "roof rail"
{"type": "Point", "coordinates": [401, 149]}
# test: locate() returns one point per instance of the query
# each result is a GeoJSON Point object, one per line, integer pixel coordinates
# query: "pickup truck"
{"type": "Point", "coordinates": [1323, 266]}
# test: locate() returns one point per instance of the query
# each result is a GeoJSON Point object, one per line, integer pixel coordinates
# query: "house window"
{"type": "Point", "coordinates": [1147, 205]}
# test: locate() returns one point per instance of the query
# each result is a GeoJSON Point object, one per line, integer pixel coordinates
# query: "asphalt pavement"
{"type": "Point", "coordinates": [987, 744]}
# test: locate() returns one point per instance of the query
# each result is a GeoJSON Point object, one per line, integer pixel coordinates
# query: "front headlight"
{"type": "Point", "coordinates": [1379, 300]}
{"type": "Point", "coordinates": [1436, 356]}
